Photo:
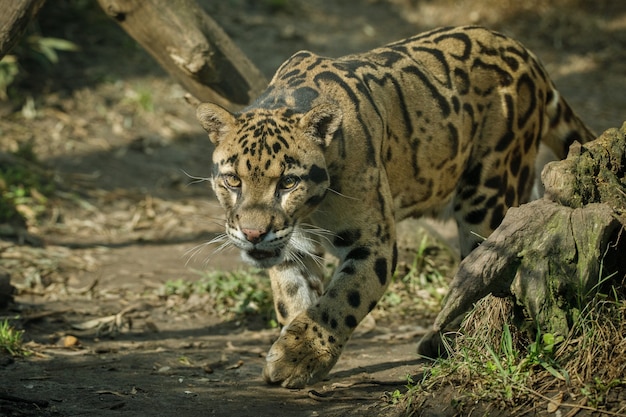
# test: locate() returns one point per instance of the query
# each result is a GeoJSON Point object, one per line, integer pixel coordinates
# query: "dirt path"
{"type": "Point", "coordinates": [193, 367]}
{"type": "Point", "coordinates": [121, 139]}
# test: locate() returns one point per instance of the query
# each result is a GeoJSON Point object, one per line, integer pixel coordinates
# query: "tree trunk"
{"type": "Point", "coordinates": [551, 256]}
{"type": "Point", "coordinates": [191, 47]}
{"type": "Point", "coordinates": [14, 18]}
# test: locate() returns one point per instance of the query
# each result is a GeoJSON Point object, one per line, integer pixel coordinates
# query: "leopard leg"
{"type": "Point", "coordinates": [296, 286]}
{"type": "Point", "coordinates": [311, 343]}
{"type": "Point", "coordinates": [485, 193]}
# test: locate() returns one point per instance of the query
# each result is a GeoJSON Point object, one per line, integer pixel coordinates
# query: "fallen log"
{"type": "Point", "coordinates": [14, 20]}
{"type": "Point", "coordinates": [183, 39]}
{"type": "Point", "coordinates": [191, 47]}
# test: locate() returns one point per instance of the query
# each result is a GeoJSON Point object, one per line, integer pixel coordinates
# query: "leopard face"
{"type": "Point", "coordinates": [269, 175]}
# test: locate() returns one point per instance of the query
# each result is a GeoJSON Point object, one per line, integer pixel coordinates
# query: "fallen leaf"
{"type": "Point", "coordinates": [555, 402]}
{"type": "Point", "coordinates": [68, 341]}
{"type": "Point", "coordinates": [116, 393]}
{"type": "Point", "coordinates": [237, 365]}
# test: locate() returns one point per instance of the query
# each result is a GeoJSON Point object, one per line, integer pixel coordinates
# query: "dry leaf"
{"type": "Point", "coordinates": [555, 402]}
{"type": "Point", "coordinates": [69, 341]}
{"type": "Point", "coordinates": [239, 364]}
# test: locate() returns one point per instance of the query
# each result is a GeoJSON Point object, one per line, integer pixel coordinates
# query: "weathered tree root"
{"type": "Point", "coordinates": [550, 254]}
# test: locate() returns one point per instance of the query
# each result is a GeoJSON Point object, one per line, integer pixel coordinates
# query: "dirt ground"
{"type": "Point", "coordinates": [121, 141]}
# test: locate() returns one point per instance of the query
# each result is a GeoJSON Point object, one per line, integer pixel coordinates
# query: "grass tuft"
{"type": "Point", "coordinates": [230, 294]}
{"type": "Point", "coordinates": [498, 364]}
{"type": "Point", "coordinates": [418, 288]}
{"type": "Point", "coordinates": [24, 187]}
{"type": "Point", "coordinates": [11, 339]}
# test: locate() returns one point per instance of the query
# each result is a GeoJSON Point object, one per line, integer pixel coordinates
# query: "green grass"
{"type": "Point", "coordinates": [231, 294]}
{"type": "Point", "coordinates": [11, 339]}
{"type": "Point", "coordinates": [494, 362]}
{"type": "Point", "coordinates": [43, 50]}
{"type": "Point", "coordinates": [141, 98]}
{"type": "Point", "coordinates": [418, 288]}
{"type": "Point", "coordinates": [237, 294]}
{"type": "Point", "coordinates": [9, 70]}
{"type": "Point", "coordinates": [24, 187]}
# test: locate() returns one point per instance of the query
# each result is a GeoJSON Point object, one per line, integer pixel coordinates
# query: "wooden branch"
{"type": "Point", "coordinates": [191, 47]}
{"type": "Point", "coordinates": [15, 15]}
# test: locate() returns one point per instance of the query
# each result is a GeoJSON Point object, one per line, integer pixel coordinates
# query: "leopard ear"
{"type": "Point", "coordinates": [321, 122]}
{"type": "Point", "coordinates": [216, 120]}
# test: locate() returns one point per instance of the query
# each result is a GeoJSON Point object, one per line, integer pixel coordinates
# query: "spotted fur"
{"type": "Point", "coordinates": [336, 151]}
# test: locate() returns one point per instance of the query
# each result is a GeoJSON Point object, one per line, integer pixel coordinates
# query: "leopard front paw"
{"type": "Point", "coordinates": [303, 354]}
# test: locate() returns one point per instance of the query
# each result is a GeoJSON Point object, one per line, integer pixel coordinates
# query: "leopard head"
{"type": "Point", "coordinates": [269, 174]}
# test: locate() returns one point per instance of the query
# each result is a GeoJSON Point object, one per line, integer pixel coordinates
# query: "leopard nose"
{"type": "Point", "coordinates": [254, 235]}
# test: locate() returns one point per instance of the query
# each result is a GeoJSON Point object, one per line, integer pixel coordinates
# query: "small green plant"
{"type": "Point", "coordinates": [511, 367]}
{"type": "Point", "coordinates": [48, 47]}
{"type": "Point", "coordinates": [502, 370]}
{"type": "Point", "coordinates": [11, 339]}
{"type": "Point", "coordinates": [277, 5]}
{"type": "Point", "coordinates": [24, 188]}
{"type": "Point", "coordinates": [9, 69]}
{"type": "Point", "coordinates": [597, 390]}
{"type": "Point", "coordinates": [140, 98]}
{"type": "Point", "coordinates": [234, 294]}
{"type": "Point", "coordinates": [495, 362]}
{"type": "Point", "coordinates": [541, 353]}
{"type": "Point", "coordinates": [399, 397]}
{"type": "Point", "coordinates": [43, 50]}
{"type": "Point", "coordinates": [422, 285]}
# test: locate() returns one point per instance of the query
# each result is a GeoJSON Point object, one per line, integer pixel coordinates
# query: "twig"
{"type": "Point", "coordinates": [329, 396]}
{"type": "Point", "coordinates": [570, 405]}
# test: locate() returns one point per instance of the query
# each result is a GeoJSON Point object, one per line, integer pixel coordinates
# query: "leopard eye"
{"type": "Point", "coordinates": [232, 181]}
{"type": "Point", "coordinates": [288, 182]}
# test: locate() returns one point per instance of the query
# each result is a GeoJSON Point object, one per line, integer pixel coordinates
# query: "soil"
{"type": "Point", "coordinates": [125, 151]}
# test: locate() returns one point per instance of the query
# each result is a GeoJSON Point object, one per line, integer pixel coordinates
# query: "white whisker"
{"type": "Point", "coordinates": [193, 252]}
{"type": "Point", "coordinates": [227, 244]}
{"type": "Point", "coordinates": [319, 260]}
{"type": "Point", "coordinates": [215, 220]}
{"type": "Point", "coordinates": [293, 257]}
{"type": "Point", "coordinates": [316, 229]}
{"type": "Point", "coordinates": [222, 239]}
{"type": "Point", "coordinates": [312, 241]}
{"type": "Point", "coordinates": [298, 257]}
{"type": "Point", "coordinates": [196, 180]}
{"type": "Point", "coordinates": [318, 232]}
{"type": "Point", "coordinates": [304, 246]}
{"type": "Point", "coordinates": [340, 194]}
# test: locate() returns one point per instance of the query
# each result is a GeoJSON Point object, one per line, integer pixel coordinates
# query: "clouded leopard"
{"type": "Point", "coordinates": [337, 150]}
